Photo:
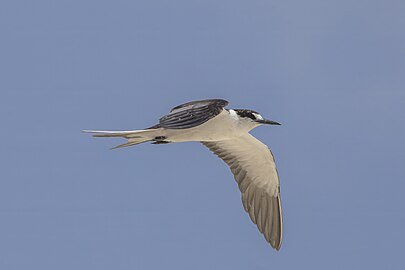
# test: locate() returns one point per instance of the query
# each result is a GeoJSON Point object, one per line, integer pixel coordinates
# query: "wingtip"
{"type": "Point", "coordinates": [275, 245]}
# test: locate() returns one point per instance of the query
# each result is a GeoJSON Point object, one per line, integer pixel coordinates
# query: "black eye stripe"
{"type": "Point", "coordinates": [246, 113]}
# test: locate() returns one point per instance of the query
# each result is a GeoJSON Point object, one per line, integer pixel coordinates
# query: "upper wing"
{"type": "Point", "coordinates": [253, 166]}
{"type": "Point", "coordinates": [192, 114]}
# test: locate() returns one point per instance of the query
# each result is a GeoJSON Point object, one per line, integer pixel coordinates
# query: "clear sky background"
{"type": "Point", "coordinates": [332, 72]}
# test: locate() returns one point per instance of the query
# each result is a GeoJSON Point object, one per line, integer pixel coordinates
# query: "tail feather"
{"type": "Point", "coordinates": [134, 136]}
{"type": "Point", "coordinates": [124, 134]}
{"type": "Point", "coordinates": [130, 143]}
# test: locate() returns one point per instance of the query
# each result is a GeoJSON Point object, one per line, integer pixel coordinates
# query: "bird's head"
{"type": "Point", "coordinates": [253, 118]}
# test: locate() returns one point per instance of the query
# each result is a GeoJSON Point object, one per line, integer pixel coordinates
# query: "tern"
{"type": "Point", "coordinates": [226, 133]}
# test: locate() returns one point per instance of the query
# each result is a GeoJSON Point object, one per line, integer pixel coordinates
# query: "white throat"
{"type": "Point", "coordinates": [243, 123]}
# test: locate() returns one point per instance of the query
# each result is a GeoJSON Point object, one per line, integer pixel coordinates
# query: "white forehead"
{"type": "Point", "coordinates": [258, 116]}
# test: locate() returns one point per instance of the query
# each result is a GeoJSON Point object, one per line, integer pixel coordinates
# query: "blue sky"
{"type": "Point", "coordinates": [332, 72]}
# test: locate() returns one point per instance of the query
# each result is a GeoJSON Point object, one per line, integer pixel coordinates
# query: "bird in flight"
{"type": "Point", "coordinates": [226, 133]}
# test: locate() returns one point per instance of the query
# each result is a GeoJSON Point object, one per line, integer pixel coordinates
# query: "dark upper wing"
{"type": "Point", "coordinates": [192, 113]}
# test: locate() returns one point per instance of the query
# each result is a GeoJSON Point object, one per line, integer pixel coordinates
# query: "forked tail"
{"type": "Point", "coordinates": [134, 137]}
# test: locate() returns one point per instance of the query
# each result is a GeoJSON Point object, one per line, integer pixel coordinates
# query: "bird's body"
{"type": "Point", "coordinates": [222, 127]}
{"type": "Point", "coordinates": [226, 133]}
